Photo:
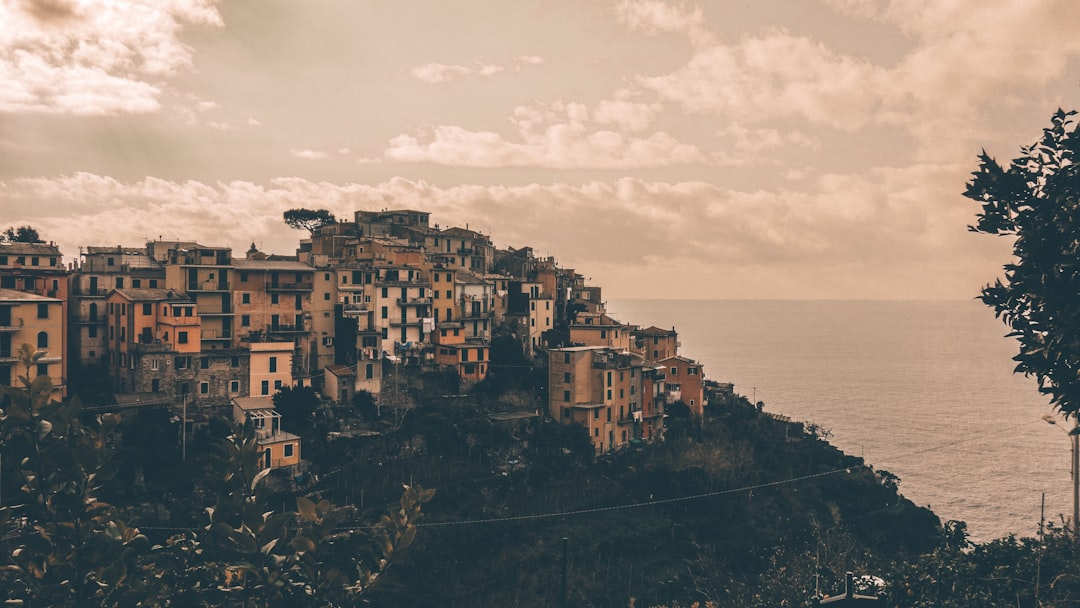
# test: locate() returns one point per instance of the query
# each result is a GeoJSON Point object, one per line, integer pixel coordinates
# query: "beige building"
{"type": "Point", "coordinates": [271, 367]}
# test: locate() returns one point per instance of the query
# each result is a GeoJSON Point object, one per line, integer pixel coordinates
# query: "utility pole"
{"type": "Point", "coordinates": [1074, 435]}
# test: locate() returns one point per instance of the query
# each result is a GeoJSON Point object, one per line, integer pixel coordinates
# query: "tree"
{"type": "Point", "coordinates": [297, 407]}
{"type": "Point", "coordinates": [1036, 202]}
{"type": "Point", "coordinates": [22, 234]}
{"type": "Point", "coordinates": [307, 219]}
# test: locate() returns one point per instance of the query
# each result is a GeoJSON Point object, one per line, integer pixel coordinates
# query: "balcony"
{"type": "Point", "coordinates": [354, 310]}
{"type": "Point", "coordinates": [413, 301]}
{"type": "Point", "coordinates": [302, 286]}
{"type": "Point", "coordinates": [11, 325]}
{"type": "Point", "coordinates": [205, 286]}
{"type": "Point", "coordinates": [212, 334]}
{"type": "Point", "coordinates": [406, 323]}
{"type": "Point", "coordinates": [287, 329]}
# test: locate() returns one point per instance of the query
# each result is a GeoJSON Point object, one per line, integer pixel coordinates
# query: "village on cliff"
{"type": "Point", "coordinates": [210, 334]}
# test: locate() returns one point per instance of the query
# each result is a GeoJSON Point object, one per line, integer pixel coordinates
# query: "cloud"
{"type": "Point", "coordinates": [654, 17]}
{"type": "Point", "coordinates": [308, 154]}
{"type": "Point", "coordinates": [95, 57]}
{"type": "Point", "coordinates": [888, 234]}
{"type": "Point", "coordinates": [776, 74]}
{"type": "Point", "coordinates": [440, 73]}
{"type": "Point", "coordinates": [964, 61]}
{"type": "Point", "coordinates": [559, 135]}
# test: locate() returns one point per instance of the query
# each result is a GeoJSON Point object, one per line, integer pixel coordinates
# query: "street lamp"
{"type": "Point", "coordinates": [1074, 440]}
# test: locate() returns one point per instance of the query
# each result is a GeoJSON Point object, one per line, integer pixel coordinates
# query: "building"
{"type": "Point", "coordinates": [277, 448]}
{"type": "Point", "coordinates": [36, 321]}
{"type": "Point", "coordinates": [598, 329]}
{"type": "Point", "coordinates": [204, 274]}
{"type": "Point", "coordinates": [273, 302]}
{"type": "Point", "coordinates": [99, 271]}
{"type": "Point", "coordinates": [600, 389]}
{"type": "Point", "coordinates": [468, 357]}
{"type": "Point", "coordinates": [655, 344]}
{"type": "Point", "coordinates": [271, 367]}
{"type": "Point", "coordinates": [685, 382]}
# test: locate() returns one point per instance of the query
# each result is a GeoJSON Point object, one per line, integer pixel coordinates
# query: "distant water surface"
{"type": "Point", "coordinates": [924, 390]}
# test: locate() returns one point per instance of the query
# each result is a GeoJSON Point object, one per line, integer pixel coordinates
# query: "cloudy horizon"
{"type": "Point", "coordinates": [788, 149]}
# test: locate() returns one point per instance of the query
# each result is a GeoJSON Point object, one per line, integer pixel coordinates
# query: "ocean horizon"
{"type": "Point", "coordinates": [924, 389]}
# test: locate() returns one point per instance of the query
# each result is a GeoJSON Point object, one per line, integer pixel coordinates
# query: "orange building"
{"type": "Point", "coordinates": [685, 382]}
{"type": "Point", "coordinates": [602, 390]}
{"type": "Point", "coordinates": [278, 448]}
{"type": "Point", "coordinates": [655, 344]}
{"type": "Point", "coordinates": [598, 329]}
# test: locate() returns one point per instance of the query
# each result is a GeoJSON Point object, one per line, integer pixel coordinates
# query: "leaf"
{"type": "Point", "coordinates": [306, 508]}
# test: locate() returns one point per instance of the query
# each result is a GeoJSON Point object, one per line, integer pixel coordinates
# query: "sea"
{"type": "Point", "coordinates": [924, 390]}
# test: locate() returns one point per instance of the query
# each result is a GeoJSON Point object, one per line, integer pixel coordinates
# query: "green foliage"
{"type": "Point", "coordinates": [1034, 201]}
{"type": "Point", "coordinates": [308, 219]}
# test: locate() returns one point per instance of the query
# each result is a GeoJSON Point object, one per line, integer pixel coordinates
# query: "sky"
{"type": "Point", "coordinates": [807, 149]}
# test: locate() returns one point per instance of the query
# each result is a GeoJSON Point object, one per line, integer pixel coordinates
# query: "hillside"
{"type": "Point", "coordinates": [735, 506]}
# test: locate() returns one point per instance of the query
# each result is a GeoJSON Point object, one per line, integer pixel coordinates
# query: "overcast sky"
{"type": "Point", "coordinates": [718, 149]}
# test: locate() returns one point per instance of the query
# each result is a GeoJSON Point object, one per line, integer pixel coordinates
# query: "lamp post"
{"type": "Point", "coordinates": [1074, 441]}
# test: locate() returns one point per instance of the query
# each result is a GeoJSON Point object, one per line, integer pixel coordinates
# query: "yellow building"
{"type": "Point", "coordinates": [27, 318]}
{"type": "Point", "coordinates": [271, 367]}
{"type": "Point", "coordinates": [278, 448]}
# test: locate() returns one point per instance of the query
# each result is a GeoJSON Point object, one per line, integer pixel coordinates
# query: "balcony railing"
{"type": "Point", "coordinates": [11, 324]}
{"type": "Point", "coordinates": [302, 286]}
{"type": "Point", "coordinates": [285, 329]}
{"type": "Point", "coordinates": [208, 286]}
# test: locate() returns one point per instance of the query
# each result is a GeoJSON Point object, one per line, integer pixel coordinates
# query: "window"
{"type": "Point", "coordinates": [153, 283]}
{"type": "Point", "coordinates": [234, 362]}
{"type": "Point", "coordinates": [277, 385]}
{"type": "Point", "coordinates": [155, 364]}
{"type": "Point", "coordinates": [265, 387]}
{"type": "Point", "coordinates": [110, 262]}
{"type": "Point", "coordinates": [181, 362]}
{"type": "Point", "coordinates": [147, 308]}
{"type": "Point", "coordinates": [449, 295]}
{"type": "Point", "coordinates": [204, 388]}
{"type": "Point", "coordinates": [288, 450]}
{"type": "Point", "coordinates": [299, 302]}
{"type": "Point", "coordinates": [464, 354]}
{"type": "Point", "coordinates": [245, 298]}
{"type": "Point", "coordinates": [674, 371]}
{"type": "Point", "coordinates": [43, 339]}
{"type": "Point", "coordinates": [385, 292]}
{"type": "Point", "coordinates": [43, 311]}
{"type": "Point", "coordinates": [136, 283]}
{"type": "Point", "coordinates": [119, 282]}
{"type": "Point", "coordinates": [326, 296]}
{"type": "Point", "coordinates": [691, 371]}
{"type": "Point", "coordinates": [43, 369]}
{"type": "Point", "coordinates": [181, 337]}
{"type": "Point", "coordinates": [566, 377]}
{"type": "Point", "coordinates": [384, 313]}
{"type": "Point", "coordinates": [369, 373]}
{"type": "Point", "coordinates": [470, 369]}
{"type": "Point", "coordinates": [155, 385]}
{"type": "Point", "coordinates": [566, 395]}
{"type": "Point", "coordinates": [596, 414]}
{"type": "Point", "coordinates": [273, 364]}
{"type": "Point", "coordinates": [273, 298]}
{"type": "Point", "coordinates": [234, 386]}
{"type": "Point", "coordinates": [91, 331]}
{"type": "Point", "coordinates": [204, 362]}
{"type": "Point", "coordinates": [245, 320]}
{"type": "Point", "coordinates": [566, 357]}
{"type": "Point", "coordinates": [243, 276]}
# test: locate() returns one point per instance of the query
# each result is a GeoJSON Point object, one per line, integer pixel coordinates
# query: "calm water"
{"type": "Point", "coordinates": [924, 390]}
